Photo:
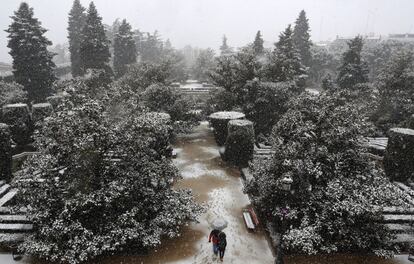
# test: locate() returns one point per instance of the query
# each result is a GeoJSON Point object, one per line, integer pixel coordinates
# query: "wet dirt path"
{"type": "Point", "coordinates": [219, 187]}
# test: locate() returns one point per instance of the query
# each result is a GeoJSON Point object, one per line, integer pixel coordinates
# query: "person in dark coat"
{"type": "Point", "coordinates": [222, 243]}
{"type": "Point", "coordinates": [214, 237]}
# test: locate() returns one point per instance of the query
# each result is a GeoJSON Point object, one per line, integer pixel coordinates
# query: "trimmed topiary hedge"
{"type": "Point", "coordinates": [18, 118]}
{"type": "Point", "coordinates": [399, 155]}
{"type": "Point", "coordinates": [5, 152]}
{"type": "Point", "coordinates": [219, 121]}
{"type": "Point", "coordinates": [240, 142]}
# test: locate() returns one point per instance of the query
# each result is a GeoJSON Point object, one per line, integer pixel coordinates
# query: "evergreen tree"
{"type": "Point", "coordinates": [353, 69]}
{"type": "Point", "coordinates": [258, 44]}
{"type": "Point", "coordinates": [94, 48]}
{"type": "Point", "coordinates": [32, 62]}
{"type": "Point", "coordinates": [396, 92]}
{"type": "Point", "coordinates": [76, 24]}
{"type": "Point", "coordinates": [151, 48]}
{"type": "Point", "coordinates": [285, 63]}
{"type": "Point", "coordinates": [224, 48]}
{"type": "Point", "coordinates": [301, 38]}
{"type": "Point", "coordinates": [125, 51]}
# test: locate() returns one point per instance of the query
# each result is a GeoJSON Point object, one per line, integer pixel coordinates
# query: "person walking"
{"type": "Point", "coordinates": [214, 237]}
{"type": "Point", "coordinates": [222, 243]}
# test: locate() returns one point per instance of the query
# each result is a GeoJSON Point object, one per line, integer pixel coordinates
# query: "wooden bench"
{"type": "Point", "coordinates": [250, 218]}
{"type": "Point", "coordinates": [254, 217]}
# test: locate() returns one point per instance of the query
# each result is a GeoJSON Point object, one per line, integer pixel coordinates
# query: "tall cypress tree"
{"type": "Point", "coordinates": [258, 44]}
{"type": "Point", "coordinates": [224, 48]}
{"type": "Point", "coordinates": [353, 69]}
{"type": "Point", "coordinates": [301, 38]}
{"type": "Point", "coordinates": [94, 48]}
{"type": "Point", "coordinates": [32, 62]}
{"type": "Point", "coordinates": [285, 60]}
{"type": "Point", "coordinates": [125, 51]}
{"type": "Point", "coordinates": [76, 23]}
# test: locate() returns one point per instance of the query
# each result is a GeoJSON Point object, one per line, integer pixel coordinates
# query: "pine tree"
{"type": "Point", "coordinates": [224, 48]}
{"type": "Point", "coordinates": [353, 69]}
{"type": "Point", "coordinates": [125, 51]}
{"type": "Point", "coordinates": [285, 63]}
{"type": "Point", "coordinates": [258, 44]}
{"type": "Point", "coordinates": [76, 23]}
{"type": "Point", "coordinates": [32, 62]}
{"type": "Point", "coordinates": [301, 38]}
{"type": "Point", "coordinates": [94, 48]}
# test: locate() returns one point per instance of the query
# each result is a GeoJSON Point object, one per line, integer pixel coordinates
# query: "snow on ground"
{"type": "Point", "coordinates": [220, 188]}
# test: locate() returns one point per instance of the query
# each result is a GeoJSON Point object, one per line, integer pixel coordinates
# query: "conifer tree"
{"type": "Point", "coordinates": [285, 63]}
{"type": "Point", "coordinates": [94, 48]}
{"type": "Point", "coordinates": [32, 62]}
{"type": "Point", "coordinates": [258, 44]}
{"type": "Point", "coordinates": [125, 51]}
{"type": "Point", "coordinates": [353, 69]}
{"type": "Point", "coordinates": [76, 23]}
{"type": "Point", "coordinates": [301, 38]}
{"type": "Point", "coordinates": [224, 48]}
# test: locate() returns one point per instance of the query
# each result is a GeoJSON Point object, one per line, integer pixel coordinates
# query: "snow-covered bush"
{"type": "Point", "coordinates": [162, 98]}
{"type": "Point", "coordinates": [101, 185]}
{"type": "Point", "coordinates": [336, 189]}
{"type": "Point", "coordinates": [40, 112]}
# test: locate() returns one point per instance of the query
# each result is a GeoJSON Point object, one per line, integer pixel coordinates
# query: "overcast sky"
{"type": "Point", "coordinates": [202, 23]}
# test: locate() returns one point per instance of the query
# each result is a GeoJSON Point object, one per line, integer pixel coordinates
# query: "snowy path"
{"type": "Point", "coordinates": [220, 188]}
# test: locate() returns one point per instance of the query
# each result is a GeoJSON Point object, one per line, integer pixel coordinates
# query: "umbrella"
{"type": "Point", "coordinates": [219, 223]}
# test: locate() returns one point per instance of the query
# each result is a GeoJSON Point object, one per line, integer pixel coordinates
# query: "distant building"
{"type": "Point", "coordinates": [402, 37]}
{"type": "Point", "coordinates": [367, 38]}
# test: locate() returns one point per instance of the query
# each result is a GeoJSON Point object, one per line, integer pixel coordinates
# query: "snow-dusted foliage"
{"type": "Point", "coordinates": [284, 62]}
{"type": "Point", "coordinates": [125, 52]}
{"type": "Point", "coordinates": [396, 92]}
{"type": "Point", "coordinates": [301, 38]}
{"type": "Point", "coordinates": [11, 93]}
{"type": "Point", "coordinates": [265, 102]}
{"type": "Point", "coordinates": [32, 62]}
{"type": "Point", "coordinates": [94, 46]}
{"type": "Point", "coordinates": [101, 185]}
{"type": "Point", "coordinates": [76, 22]}
{"type": "Point", "coordinates": [354, 69]}
{"type": "Point", "coordinates": [336, 188]}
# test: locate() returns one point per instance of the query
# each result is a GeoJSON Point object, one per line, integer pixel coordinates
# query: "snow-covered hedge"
{"type": "Point", "coordinates": [240, 142]}
{"type": "Point", "coordinates": [5, 152]}
{"type": "Point", "coordinates": [219, 121]}
{"type": "Point", "coordinates": [399, 155]}
{"type": "Point", "coordinates": [17, 116]}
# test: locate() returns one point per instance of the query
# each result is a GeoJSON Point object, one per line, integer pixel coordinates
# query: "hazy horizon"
{"type": "Point", "coordinates": [202, 23]}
